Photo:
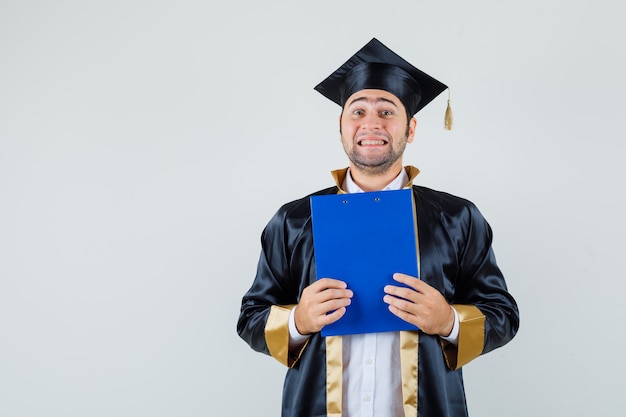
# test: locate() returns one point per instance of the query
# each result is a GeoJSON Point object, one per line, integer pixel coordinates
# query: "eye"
{"type": "Point", "coordinates": [386, 113]}
{"type": "Point", "coordinates": [357, 112]}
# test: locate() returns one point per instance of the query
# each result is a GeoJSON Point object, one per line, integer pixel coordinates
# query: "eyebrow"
{"type": "Point", "coordinates": [378, 99]}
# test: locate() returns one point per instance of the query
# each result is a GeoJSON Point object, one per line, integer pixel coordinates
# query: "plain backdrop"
{"type": "Point", "coordinates": [145, 144]}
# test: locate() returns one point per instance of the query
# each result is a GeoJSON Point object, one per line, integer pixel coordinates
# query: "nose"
{"type": "Point", "coordinates": [370, 121]}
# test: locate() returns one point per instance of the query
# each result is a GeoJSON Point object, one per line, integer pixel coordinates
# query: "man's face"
{"type": "Point", "coordinates": [374, 130]}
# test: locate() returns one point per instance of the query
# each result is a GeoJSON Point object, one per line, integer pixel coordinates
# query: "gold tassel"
{"type": "Point", "coordinates": [447, 122]}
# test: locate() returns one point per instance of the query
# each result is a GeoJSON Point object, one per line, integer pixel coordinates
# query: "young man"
{"type": "Point", "coordinates": [460, 303]}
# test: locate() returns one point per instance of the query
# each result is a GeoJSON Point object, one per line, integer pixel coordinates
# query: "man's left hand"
{"type": "Point", "coordinates": [420, 304]}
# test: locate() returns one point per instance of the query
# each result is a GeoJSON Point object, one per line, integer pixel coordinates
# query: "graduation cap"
{"type": "Point", "coordinates": [375, 66]}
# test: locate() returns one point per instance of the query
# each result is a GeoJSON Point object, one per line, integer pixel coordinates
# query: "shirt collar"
{"type": "Point", "coordinates": [398, 183]}
{"type": "Point", "coordinates": [340, 175]}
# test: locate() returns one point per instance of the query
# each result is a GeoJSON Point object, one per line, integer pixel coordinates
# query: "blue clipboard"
{"type": "Point", "coordinates": [363, 239]}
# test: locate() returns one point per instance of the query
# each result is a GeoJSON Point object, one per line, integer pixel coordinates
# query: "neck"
{"type": "Point", "coordinates": [368, 181]}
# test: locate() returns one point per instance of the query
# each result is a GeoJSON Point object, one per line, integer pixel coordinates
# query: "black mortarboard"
{"type": "Point", "coordinates": [377, 67]}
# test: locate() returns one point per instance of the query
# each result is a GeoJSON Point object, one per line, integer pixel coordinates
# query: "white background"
{"type": "Point", "coordinates": [145, 144]}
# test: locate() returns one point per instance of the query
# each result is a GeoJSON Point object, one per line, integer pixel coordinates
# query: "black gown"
{"type": "Point", "coordinates": [456, 258]}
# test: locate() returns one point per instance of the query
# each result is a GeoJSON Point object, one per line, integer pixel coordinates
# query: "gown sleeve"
{"type": "Point", "coordinates": [264, 316]}
{"type": "Point", "coordinates": [488, 314]}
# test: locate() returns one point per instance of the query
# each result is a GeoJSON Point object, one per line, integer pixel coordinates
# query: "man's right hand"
{"type": "Point", "coordinates": [321, 303]}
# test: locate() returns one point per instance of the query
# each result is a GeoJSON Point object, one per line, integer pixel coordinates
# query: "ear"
{"type": "Point", "coordinates": [412, 125]}
{"type": "Point", "coordinates": [340, 125]}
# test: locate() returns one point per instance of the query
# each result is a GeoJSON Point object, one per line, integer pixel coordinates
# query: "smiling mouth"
{"type": "Point", "coordinates": [372, 142]}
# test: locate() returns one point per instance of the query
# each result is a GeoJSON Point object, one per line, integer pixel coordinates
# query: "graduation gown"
{"type": "Point", "coordinates": [456, 258]}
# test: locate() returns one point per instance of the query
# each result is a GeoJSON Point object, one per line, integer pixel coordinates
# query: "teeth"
{"type": "Point", "coordinates": [372, 142]}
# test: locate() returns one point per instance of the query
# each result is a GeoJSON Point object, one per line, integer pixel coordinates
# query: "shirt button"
{"type": "Point", "coordinates": [368, 361]}
{"type": "Point", "coordinates": [367, 398]}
